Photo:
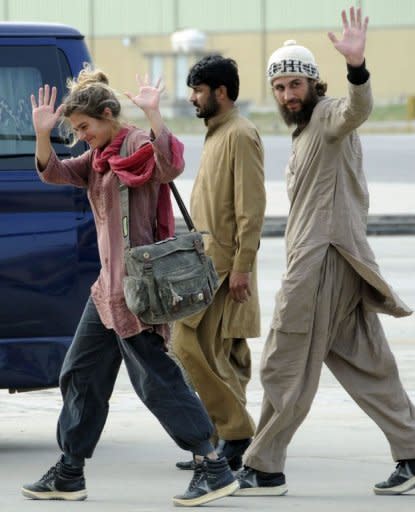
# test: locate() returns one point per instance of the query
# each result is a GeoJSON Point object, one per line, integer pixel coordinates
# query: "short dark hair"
{"type": "Point", "coordinates": [214, 71]}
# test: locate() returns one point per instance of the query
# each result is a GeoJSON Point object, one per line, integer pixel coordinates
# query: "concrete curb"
{"type": "Point", "coordinates": [378, 225]}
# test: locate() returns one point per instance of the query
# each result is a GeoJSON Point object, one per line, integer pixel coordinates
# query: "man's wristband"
{"type": "Point", "coordinates": [357, 75]}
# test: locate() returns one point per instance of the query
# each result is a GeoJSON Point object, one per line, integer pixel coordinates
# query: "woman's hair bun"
{"type": "Point", "coordinates": [88, 76]}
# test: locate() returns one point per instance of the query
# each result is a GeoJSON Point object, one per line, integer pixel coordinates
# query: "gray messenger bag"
{"type": "Point", "coordinates": [170, 279]}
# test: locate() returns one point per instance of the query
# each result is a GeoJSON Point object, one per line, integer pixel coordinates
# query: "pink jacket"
{"type": "Point", "coordinates": [107, 292]}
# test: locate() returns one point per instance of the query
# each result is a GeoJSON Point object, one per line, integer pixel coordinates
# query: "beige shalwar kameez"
{"type": "Point", "coordinates": [326, 309]}
{"type": "Point", "coordinates": [228, 203]}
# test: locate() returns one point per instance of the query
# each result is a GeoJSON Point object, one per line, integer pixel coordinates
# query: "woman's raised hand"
{"type": "Point", "coordinates": [148, 97]}
{"type": "Point", "coordinates": [44, 114]}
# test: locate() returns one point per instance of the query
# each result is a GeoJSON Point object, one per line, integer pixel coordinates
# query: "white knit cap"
{"type": "Point", "coordinates": [292, 60]}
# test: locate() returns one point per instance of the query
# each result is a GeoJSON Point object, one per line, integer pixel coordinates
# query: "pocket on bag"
{"type": "Point", "coordinates": [189, 290]}
{"type": "Point", "coordinates": [136, 295]}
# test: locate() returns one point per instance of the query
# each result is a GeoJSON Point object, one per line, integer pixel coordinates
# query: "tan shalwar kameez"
{"type": "Point", "coordinates": [326, 307]}
{"type": "Point", "coordinates": [228, 203]}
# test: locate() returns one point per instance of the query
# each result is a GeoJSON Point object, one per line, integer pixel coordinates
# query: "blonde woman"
{"type": "Point", "coordinates": [108, 332]}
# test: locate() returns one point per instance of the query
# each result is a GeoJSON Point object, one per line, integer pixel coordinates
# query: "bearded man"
{"type": "Point", "coordinates": [228, 205]}
{"type": "Point", "coordinates": [327, 306]}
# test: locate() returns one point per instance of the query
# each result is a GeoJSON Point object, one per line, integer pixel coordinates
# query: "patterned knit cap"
{"type": "Point", "coordinates": [292, 60]}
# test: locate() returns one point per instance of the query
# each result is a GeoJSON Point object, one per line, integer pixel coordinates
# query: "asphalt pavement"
{"type": "Point", "coordinates": [333, 461]}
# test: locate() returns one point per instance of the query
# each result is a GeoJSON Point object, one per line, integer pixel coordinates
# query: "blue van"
{"type": "Point", "coordinates": [48, 250]}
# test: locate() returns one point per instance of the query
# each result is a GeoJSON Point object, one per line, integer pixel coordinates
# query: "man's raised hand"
{"type": "Point", "coordinates": [353, 43]}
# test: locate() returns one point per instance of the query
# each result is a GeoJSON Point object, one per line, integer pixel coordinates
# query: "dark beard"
{"type": "Point", "coordinates": [303, 116]}
{"type": "Point", "coordinates": [210, 109]}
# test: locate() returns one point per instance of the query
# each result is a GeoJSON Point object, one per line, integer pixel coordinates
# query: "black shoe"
{"type": "Point", "coordinates": [233, 451]}
{"type": "Point", "coordinates": [401, 480]}
{"type": "Point", "coordinates": [256, 483]}
{"type": "Point", "coordinates": [188, 465]}
{"type": "Point", "coordinates": [234, 462]}
{"type": "Point", "coordinates": [61, 482]}
{"type": "Point", "coordinates": [212, 479]}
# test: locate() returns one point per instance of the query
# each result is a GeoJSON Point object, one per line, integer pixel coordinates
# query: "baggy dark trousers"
{"type": "Point", "coordinates": [87, 380]}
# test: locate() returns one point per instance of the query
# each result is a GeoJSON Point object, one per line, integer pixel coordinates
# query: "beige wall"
{"type": "Point", "coordinates": [122, 63]}
{"type": "Point", "coordinates": [389, 58]}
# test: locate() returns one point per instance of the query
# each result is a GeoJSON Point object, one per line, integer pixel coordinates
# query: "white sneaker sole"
{"type": "Point", "coordinates": [206, 498]}
{"type": "Point", "coordinates": [55, 495]}
{"type": "Point", "coordinates": [279, 490]}
{"type": "Point", "coordinates": [398, 489]}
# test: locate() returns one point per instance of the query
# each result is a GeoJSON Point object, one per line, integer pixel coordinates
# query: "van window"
{"type": "Point", "coordinates": [16, 129]}
{"type": "Point", "coordinates": [23, 70]}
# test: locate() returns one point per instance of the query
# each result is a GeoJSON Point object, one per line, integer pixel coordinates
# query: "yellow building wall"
{"type": "Point", "coordinates": [121, 63]}
{"type": "Point", "coordinates": [389, 58]}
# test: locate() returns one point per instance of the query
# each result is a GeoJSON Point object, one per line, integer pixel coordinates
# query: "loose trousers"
{"type": "Point", "coordinates": [87, 380]}
{"type": "Point", "coordinates": [350, 340]}
{"type": "Point", "coordinates": [219, 369]}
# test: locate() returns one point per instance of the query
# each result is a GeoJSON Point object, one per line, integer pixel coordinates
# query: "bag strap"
{"type": "Point", "coordinates": [183, 209]}
{"type": "Point", "coordinates": [125, 204]}
{"type": "Point", "coordinates": [125, 214]}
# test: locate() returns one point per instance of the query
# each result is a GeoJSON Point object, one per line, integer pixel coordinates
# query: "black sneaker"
{"type": "Point", "coordinates": [61, 482]}
{"type": "Point", "coordinates": [212, 479]}
{"type": "Point", "coordinates": [186, 465]}
{"type": "Point", "coordinates": [256, 483]}
{"type": "Point", "coordinates": [232, 450]}
{"type": "Point", "coordinates": [234, 462]}
{"type": "Point", "coordinates": [401, 480]}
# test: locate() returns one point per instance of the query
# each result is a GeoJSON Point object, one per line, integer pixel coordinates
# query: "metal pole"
{"type": "Point", "coordinates": [263, 49]}
{"type": "Point", "coordinates": [92, 28]}
{"type": "Point", "coordinates": [6, 10]}
{"type": "Point", "coordinates": [175, 15]}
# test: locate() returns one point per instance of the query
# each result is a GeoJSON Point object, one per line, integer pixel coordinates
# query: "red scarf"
{"type": "Point", "coordinates": [137, 169]}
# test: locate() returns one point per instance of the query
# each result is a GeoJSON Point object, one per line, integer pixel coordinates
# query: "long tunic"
{"type": "Point", "coordinates": [228, 204]}
{"type": "Point", "coordinates": [329, 206]}
{"type": "Point", "coordinates": [103, 194]}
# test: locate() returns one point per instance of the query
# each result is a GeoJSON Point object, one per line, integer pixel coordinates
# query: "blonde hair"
{"type": "Point", "coordinates": [89, 94]}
